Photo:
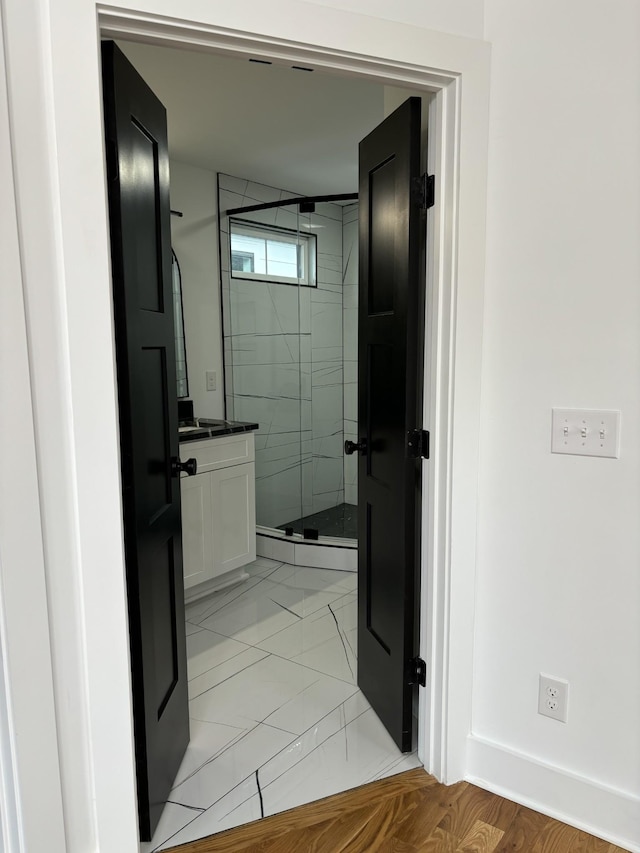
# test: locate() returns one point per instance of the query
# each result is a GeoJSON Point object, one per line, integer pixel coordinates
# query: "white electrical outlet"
{"type": "Point", "coordinates": [211, 380]}
{"type": "Point", "coordinates": [553, 698]}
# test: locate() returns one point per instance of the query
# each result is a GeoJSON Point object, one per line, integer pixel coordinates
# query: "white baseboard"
{"type": "Point", "coordinates": [202, 590]}
{"type": "Point", "coordinates": [573, 799]}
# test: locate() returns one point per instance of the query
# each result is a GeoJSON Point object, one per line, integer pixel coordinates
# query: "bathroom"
{"type": "Point", "coordinates": [275, 713]}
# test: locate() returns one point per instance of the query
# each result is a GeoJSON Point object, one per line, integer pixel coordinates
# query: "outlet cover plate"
{"type": "Point", "coordinates": [585, 432]}
{"type": "Point", "coordinates": [553, 698]}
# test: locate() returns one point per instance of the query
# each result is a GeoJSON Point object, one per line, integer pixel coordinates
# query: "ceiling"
{"type": "Point", "coordinates": [297, 130]}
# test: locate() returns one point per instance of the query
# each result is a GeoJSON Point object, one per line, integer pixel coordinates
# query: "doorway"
{"type": "Point", "coordinates": [86, 554]}
{"type": "Point", "coordinates": [238, 622]}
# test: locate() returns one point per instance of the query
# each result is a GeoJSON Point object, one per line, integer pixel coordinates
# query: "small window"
{"type": "Point", "coordinates": [268, 253]}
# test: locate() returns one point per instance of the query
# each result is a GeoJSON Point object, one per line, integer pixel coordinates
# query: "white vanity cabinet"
{"type": "Point", "coordinates": [218, 507]}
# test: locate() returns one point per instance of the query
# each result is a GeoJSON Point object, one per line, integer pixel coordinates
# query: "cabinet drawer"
{"type": "Point", "coordinates": [215, 453]}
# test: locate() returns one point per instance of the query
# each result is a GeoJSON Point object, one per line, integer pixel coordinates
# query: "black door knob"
{"type": "Point", "coordinates": [190, 467]}
{"type": "Point", "coordinates": [351, 447]}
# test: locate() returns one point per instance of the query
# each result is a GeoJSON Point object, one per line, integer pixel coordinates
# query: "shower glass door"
{"type": "Point", "coordinates": [289, 287]}
{"type": "Point", "coordinates": [328, 312]}
{"type": "Point", "coordinates": [323, 483]}
{"type": "Point", "coordinates": [263, 265]}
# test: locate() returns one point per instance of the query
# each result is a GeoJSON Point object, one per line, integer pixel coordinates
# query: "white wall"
{"type": "Point", "coordinates": [461, 17]}
{"type": "Point", "coordinates": [195, 242]}
{"type": "Point", "coordinates": [558, 536]}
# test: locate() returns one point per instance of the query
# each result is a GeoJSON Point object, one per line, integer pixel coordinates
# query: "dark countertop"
{"type": "Point", "coordinates": [214, 429]}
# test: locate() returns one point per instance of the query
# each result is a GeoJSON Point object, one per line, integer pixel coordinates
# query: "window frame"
{"type": "Point", "coordinates": [298, 238]}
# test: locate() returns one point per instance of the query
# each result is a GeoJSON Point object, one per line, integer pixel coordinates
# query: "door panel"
{"type": "Point", "coordinates": [158, 485]}
{"type": "Point", "coordinates": [145, 176]}
{"type": "Point", "coordinates": [382, 216]}
{"type": "Point", "coordinates": [390, 352]}
{"type": "Point", "coordinates": [383, 408]}
{"type": "Point", "coordinates": [138, 183]}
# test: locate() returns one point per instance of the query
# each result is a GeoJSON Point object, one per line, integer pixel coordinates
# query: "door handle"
{"type": "Point", "coordinates": [352, 446]}
{"type": "Point", "coordinates": [190, 467]}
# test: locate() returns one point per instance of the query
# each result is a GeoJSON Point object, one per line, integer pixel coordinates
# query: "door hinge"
{"type": "Point", "coordinates": [418, 444]}
{"type": "Point", "coordinates": [418, 670]}
{"type": "Point", "coordinates": [424, 191]}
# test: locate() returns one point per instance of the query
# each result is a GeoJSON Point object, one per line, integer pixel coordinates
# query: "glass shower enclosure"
{"type": "Point", "coordinates": [289, 299]}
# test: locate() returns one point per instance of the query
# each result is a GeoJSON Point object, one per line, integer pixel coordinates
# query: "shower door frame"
{"type": "Point", "coordinates": [277, 533]}
{"type": "Point", "coordinates": [56, 153]}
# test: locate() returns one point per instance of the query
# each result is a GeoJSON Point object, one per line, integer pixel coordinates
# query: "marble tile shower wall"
{"type": "Point", "coordinates": [283, 351]}
{"type": "Point", "coordinates": [350, 337]}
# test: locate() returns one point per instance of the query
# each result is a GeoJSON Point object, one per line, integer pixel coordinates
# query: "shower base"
{"type": "Point", "coordinates": [338, 521]}
{"type": "Point", "coordinates": [326, 552]}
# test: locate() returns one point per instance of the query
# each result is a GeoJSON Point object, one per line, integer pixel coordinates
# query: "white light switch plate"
{"type": "Point", "coordinates": [585, 432]}
{"type": "Point", "coordinates": [211, 380]}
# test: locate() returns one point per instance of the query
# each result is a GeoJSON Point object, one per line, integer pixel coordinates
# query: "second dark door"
{"type": "Point", "coordinates": [390, 353]}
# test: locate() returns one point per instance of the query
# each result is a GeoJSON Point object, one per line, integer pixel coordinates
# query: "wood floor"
{"type": "Point", "coordinates": [407, 813]}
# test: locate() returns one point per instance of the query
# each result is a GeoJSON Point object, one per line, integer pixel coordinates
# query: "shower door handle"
{"type": "Point", "coordinates": [351, 447]}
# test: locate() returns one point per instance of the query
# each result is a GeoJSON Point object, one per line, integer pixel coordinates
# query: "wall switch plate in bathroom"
{"type": "Point", "coordinates": [211, 380]}
{"type": "Point", "coordinates": [585, 432]}
{"type": "Point", "coordinates": [553, 698]}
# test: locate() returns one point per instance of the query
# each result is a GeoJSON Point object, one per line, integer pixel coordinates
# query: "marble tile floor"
{"type": "Point", "coordinates": [340, 521]}
{"type": "Point", "coordinates": [276, 717]}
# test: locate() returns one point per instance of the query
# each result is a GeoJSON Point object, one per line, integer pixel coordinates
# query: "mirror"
{"type": "Point", "coordinates": [178, 318]}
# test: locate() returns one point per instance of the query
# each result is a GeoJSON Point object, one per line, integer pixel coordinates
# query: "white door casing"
{"type": "Point", "coordinates": [55, 114]}
{"type": "Point", "coordinates": [29, 763]}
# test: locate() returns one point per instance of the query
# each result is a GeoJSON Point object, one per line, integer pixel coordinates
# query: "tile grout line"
{"type": "Point", "coordinates": [244, 592]}
{"type": "Point", "coordinates": [287, 609]}
{"type": "Point", "coordinates": [222, 662]}
{"type": "Point", "coordinates": [274, 655]}
{"type": "Point", "coordinates": [312, 617]}
{"type": "Point", "coordinates": [311, 668]}
{"type": "Point", "coordinates": [233, 675]}
{"type": "Point", "coordinates": [317, 746]}
{"type": "Point", "coordinates": [233, 742]}
{"type": "Point", "coordinates": [211, 613]}
{"type": "Point", "coordinates": [302, 758]}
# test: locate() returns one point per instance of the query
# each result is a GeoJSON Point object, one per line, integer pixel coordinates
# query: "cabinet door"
{"type": "Point", "coordinates": [197, 538]}
{"type": "Point", "coordinates": [233, 495]}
